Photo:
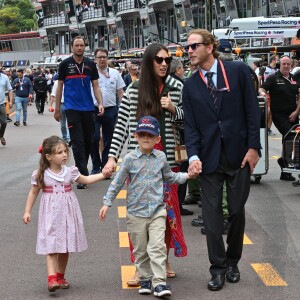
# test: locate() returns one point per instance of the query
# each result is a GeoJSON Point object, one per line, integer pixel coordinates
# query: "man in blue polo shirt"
{"type": "Point", "coordinates": [77, 74]}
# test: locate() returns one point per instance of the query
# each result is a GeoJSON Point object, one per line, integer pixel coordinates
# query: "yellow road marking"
{"type": "Point", "coordinates": [127, 272]}
{"type": "Point", "coordinates": [122, 194]}
{"type": "Point", "coordinates": [274, 157]}
{"type": "Point", "coordinates": [247, 241]}
{"type": "Point", "coordinates": [122, 211]}
{"type": "Point", "coordinates": [268, 275]}
{"type": "Point", "coordinates": [123, 239]}
{"type": "Point", "coordinates": [117, 168]}
{"type": "Point", "coordinates": [120, 160]}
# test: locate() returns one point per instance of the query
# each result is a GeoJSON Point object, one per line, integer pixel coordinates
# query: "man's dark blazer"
{"type": "Point", "coordinates": [127, 80]}
{"type": "Point", "coordinates": [236, 121]}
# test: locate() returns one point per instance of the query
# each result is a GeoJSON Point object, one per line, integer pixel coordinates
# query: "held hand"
{"type": "Point", "coordinates": [26, 218]}
{"type": "Point", "coordinates": [30, 96]}
{"type": "Point", "coordinates": [251, 158]}
{"type": "Point", "coordinates": [51, 109]}
{"type": "Point", "coordinates": [195, 168]}
{"type": "Point", "coordinates": [102, 212]}
{"type": "Point", "coordinates": [57, 115]}
{"type": "Point", "coordinates": [101, 110]}
{"type": "Point", "coordinates": [110, 167]}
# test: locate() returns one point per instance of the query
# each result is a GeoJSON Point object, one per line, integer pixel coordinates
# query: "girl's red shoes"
{"type": "Point", "coordinates": [53, 285]}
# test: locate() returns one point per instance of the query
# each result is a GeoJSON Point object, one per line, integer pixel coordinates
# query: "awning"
{"type": "Point", "coordinates": [8, 63]}
{"type": "Point", "coordinates": [23, 62]}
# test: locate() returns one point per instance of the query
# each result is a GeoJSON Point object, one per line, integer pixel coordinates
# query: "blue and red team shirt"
{"type": "Point", "coordinates": [77, 80]}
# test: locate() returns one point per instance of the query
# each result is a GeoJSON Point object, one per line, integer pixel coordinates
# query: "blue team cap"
{"type": "Point", "coordinates": [148, 124]}
{"type": "Point", "coordinates": [224, 46]}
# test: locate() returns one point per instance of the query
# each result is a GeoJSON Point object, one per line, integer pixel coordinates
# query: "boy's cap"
{"type": "Point", "coordinates": [148, 124]}
{"type": "Point", "coordinates": [224, 46]}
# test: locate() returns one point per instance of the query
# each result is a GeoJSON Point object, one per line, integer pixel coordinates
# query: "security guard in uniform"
{"type": "Point", "coordinates": [283, 93]}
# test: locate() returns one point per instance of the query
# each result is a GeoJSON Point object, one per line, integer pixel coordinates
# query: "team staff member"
{"type": "Point", "coordinates": [77, 73]}
{"type": "Point", "coordinates": [221, 127]}
{"type": "Point", "coordinates": [40, 88]}
{"type": "Point", "coordinates": [111, 84]}
{"type": "Point", "coordinates": [283, 93]}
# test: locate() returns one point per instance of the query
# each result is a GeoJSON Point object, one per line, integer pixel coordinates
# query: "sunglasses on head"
{"type": "Point", "coordinates": [193, 46]}
{"type": "Point", "coordinates": [159, 59]}
{"type": "Point", "coordinates": [284, 55]}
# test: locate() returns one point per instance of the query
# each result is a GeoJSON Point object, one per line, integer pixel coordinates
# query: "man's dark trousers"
{"type": "Point", "coordinates": [40, 100]}
{"type": "Point", "coordinates": [238, 188]}
{"type": "Point", "coordinates": [81, 127]}
{"type": "Point", "coordinates": [107, 123]}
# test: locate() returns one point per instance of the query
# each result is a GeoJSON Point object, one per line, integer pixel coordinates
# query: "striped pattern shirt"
{"type": "Point", "coordinates": [126, 123]}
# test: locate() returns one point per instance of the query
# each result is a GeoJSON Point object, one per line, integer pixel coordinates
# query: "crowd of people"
{"type": "Point", "coordinates": [148, 109]}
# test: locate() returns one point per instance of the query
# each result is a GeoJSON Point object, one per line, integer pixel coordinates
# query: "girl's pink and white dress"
{"type": "Point", "coordinates": [60, 225]}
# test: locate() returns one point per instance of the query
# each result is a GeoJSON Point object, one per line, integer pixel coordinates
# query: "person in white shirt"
{"type": "Point", "coordinates": [63, 118]}
{"type": "Point", "coordinates": [111, 84]}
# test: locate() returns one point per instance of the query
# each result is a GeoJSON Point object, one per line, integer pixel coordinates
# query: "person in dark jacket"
{"type": "Point", "coordinates": [40, 88]}
{"type": "Point", "coordinates": [131, 76]}
{"type": "Point", "coordinates": [23, 89]}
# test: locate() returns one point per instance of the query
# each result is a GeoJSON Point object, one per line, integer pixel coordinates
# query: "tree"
{"type": "Point", "coordinates": [16, 16]}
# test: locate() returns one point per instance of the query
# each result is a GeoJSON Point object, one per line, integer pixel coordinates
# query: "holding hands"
{"type": "Point", "coordinates": [110, 167]}
{"type": "Point", "coordinates": [195, 168]}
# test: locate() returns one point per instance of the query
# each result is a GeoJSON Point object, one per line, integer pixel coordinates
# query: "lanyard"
{"type": "Point", "coordinates": [288, 79]}
{"type": "Point", "coordinates": [227, 88]}
{"type": "Point", "coordinates": [105, 72]}
{"type": "Point", "coordinates": [80, 73]}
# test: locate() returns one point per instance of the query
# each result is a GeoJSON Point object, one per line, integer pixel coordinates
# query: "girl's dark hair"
{"type": "Point", "coordinates": [49, 147]}
{"type": "Point", "coordinates": [149, 85]}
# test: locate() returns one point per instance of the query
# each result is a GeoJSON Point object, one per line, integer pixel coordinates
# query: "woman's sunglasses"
{"type": "Point", "coordinates": [159, 59]}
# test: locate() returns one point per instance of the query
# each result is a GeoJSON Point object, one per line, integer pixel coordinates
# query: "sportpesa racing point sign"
{"type": "Point", "coordinates": [278, 23]}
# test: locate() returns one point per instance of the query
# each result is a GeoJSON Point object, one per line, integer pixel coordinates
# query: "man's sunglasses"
{"type": "Point", "coordinates": [193, 46]}
{"type": "Point", "coordinates": [159, 59]}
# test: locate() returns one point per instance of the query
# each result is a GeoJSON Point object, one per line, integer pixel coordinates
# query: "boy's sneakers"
{"type": "Point", "coordinates": [146, 287]}
{"type": "Point", "coordinates": [162, 290]}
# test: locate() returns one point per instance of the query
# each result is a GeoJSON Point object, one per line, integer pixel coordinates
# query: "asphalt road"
{"type": "Point", "coordinates": [269, 266]}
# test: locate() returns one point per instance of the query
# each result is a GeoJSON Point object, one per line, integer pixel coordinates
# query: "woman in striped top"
{"type": "Point", "coordinates": [159, 95]}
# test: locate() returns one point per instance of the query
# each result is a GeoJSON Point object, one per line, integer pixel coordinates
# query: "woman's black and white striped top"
{"type": "Point", "coordinates": [126, 123]}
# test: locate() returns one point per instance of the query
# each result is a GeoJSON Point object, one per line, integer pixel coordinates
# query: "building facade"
{"type": "Point", "coordinates": [125, 25]}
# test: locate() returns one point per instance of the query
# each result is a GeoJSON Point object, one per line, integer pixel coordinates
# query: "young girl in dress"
{"type": "Point", "coordinates": [60, 224]}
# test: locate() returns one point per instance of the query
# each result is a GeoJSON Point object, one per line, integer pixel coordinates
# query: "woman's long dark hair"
{"type": "Point", "coordinates": [149, 84]}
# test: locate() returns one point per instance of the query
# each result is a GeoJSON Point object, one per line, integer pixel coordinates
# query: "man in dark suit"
{"type": "Point", "coordinates": [131, 76]}
{"type": "Point", "coordinates": [222, 123]}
